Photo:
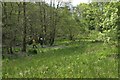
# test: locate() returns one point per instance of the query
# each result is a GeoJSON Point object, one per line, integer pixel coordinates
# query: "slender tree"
{"type": "Point", "coordinates": [24, 27]}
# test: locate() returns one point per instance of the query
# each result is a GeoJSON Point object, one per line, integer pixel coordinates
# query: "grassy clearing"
{"type": "Point", "coordinates": [76, 59]}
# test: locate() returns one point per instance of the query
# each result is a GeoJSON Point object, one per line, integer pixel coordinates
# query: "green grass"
{"type": "Point", "coordinates": [76, 59]}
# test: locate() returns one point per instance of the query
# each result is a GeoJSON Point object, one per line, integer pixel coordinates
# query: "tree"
{"type": "Point", "coordinates": [24, 27]}
{"type": "Point", "coordinates": [7, 29]}
{"type": "Point", "coordinates": [104, 24]}
{"type": "Point", "coordinates": [68, 27]}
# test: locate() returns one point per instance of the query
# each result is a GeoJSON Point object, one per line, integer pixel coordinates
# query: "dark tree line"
{"type": "Point", "coordinates": [24, 19]}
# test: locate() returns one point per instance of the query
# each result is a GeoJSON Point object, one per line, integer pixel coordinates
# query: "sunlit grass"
{"type": "Point", "coordinates": [78, 60]}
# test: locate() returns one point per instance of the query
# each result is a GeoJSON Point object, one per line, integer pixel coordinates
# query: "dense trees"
{"type": "Point", "coordinates": [22, 20]}
{"type": "Point", "coordinates": [100, 19]}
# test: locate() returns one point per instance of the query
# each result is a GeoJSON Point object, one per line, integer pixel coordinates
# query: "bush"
{"type": "Point", "coordinates": [32, 51]}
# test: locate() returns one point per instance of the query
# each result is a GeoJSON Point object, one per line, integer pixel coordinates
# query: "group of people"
{"type": "Point", "coordinates": [34, 41]}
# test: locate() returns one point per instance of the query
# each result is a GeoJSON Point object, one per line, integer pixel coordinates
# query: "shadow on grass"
{"type": "Point", "coordinates": [64, 48]}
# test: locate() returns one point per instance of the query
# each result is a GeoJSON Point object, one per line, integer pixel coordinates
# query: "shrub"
{"type": "Point", "coordinates": [32, 51]}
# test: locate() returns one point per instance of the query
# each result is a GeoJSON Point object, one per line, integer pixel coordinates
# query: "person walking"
{"type": "Point", "coordinates": [34, 44]}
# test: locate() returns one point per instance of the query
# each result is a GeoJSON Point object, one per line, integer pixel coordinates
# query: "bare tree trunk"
{"type": "Point", "coordinates": [40, 11]}
{"type": "Point", "coordinates": [44, 24]}
{"type": "Point", "coordinates": [54, 20]}
{"type": "Point", "coordinates": [4, 21]}
{"type": "Point", "coordinates": [43, 20]}
{"type": "Point", "coordinates": [24, 28]}
{"type": "Point", "coordinates": [51, 23]}
{"type": "Point", "coordinates": [18, 19]}
{"type": "Point", "coordinates": [70, 34]}
{"type": "Point", "coordinates": [11, 38]}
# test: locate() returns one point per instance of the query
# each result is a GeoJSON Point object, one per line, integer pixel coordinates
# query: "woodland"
{"type": "Point", "coordinates": [59, 40]}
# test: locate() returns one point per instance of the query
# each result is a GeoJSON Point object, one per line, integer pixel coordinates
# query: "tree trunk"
{"type": "Point", "coordinates": [70, 35]}
{"type": "Point", "coordinates": [24, 28]}
{"type": "Point", "coordinates": [44, 24]}
{"type": "Point", "coordinates": [53, 24]}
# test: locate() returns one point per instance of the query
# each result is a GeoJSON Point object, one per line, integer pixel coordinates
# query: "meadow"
{"type": "Point", "coordinates": [57, 39]}
{"type": "Point", "coordinates": [67, 59]}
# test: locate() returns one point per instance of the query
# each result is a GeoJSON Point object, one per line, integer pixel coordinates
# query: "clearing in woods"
{"type": "Point", "coordinates": [78, 59]}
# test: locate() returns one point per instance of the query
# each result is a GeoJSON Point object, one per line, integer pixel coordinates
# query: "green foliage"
{"type": "Point", "coordinates": [86, 20]}
{"type": "Point", "coordinates": [80, 57]}
{"type": "Point", "coordinates": [32, 51]}
{"type": "Point", "coordinates": [100, 20]}
{"type": "Point", "coordinates": [67, 25]}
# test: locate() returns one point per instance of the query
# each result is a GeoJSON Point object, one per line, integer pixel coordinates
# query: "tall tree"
{"type": "Point", "coordinates": [24, 27]}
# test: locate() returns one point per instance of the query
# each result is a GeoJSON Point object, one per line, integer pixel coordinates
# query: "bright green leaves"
{"type": "Point", "coordinates": [99, 17]}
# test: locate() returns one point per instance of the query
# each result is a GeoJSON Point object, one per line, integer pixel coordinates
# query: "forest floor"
{"type": "Point", "coordinates": [67, 59]}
